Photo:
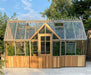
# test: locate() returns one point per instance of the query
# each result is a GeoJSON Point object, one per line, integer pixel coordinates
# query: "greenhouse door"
{"type": "Point", "coordinates": [45, 44]}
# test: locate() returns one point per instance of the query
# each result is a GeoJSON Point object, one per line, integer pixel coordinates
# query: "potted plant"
{"type": "Point", "coordinates": [35, 53]}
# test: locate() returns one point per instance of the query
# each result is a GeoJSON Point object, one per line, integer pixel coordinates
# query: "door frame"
{"type": "Point", "coordinates": [39, 44]}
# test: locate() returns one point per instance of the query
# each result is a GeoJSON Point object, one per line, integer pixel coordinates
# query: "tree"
{"type": "Point", "coordinates": [58, 9]}
{"type": "Point", "coordinates": [70, 9]}
{"type": "Point", "coordinates": [82, 9]}
{"type": "Point", "coordinates": [13, 17]}
{"type": "Point", "coordinates": [3, 22]}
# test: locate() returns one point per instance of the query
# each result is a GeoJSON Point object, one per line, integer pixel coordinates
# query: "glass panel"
{"type": "Point", "coordinates": [42, 30]}
{"type": "Point", "coordinates": [74, 31]}
{"type": "Point", "coordinates": [10, 48]}
{"type": "Point", "coordinates": [81, 47]}
{"type": "Point", "coordinates": [42, 47]}
{"type": "Point", "coordinates": [78, 30]}
{"type": "Point", "coordinates": [39, 25]}
{"type": "Point", "coordinates": [29, 33]}
{"type": "Point", "coordinates": [31, 24]}
{"type": "Point", "coordinates": [58, 24]}
{"type": "Point", "coordinates": [34, 43]}
{"type": "Point", "coordinates": [60, 32]}
{"type": "Point", "coordinates": [48, 31]}
{"type": "Point", "coordinates": [56, 48]}
{"type": "Point", "coordinates": [69, 32]}
{"type": "Point", "coordinates": [13, 28]}
{"type": "Point", "coordinates": [20, 48]}
{"type": "Point", "coordinates": [51, 25]}
{"type": "Point", "coordinates": [20, 31]}
{"type": "Point", "coordinates": [34, 48]}
{"type": "Point", "coordinates": [36, 37]}
{"type": "Point", "coordinates": [47, 38]}
{"type": "Point", "coordinates": [63, 48]}
{"type": "Point", "coordinates": [42, 38]}
{"type": "Point", "coordinates": [27, 49]}
{"type": "Point", "coordinates": [70, 48]}
{"type": "Point", "coordinates": [54, 37]}
{"type": "Point", "coordinates": [47, 47]}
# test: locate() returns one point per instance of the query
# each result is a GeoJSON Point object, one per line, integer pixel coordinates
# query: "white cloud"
{"type": "Point", "coordinates": [2, 9]}
{"type": "Point", "coordinates": [17, 6]}
{"type": "Point", "coordinates": [27, 5]}
{"type": "Point", "coordinates": [32, 14]}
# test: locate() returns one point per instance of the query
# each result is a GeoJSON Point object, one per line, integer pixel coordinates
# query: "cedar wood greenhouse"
{"type": "Point", "coordinates": [45, 43]}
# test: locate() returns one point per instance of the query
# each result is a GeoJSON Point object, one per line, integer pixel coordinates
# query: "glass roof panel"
{"type": "Point", "coordinates": [51, 24]}
{"type": "Point", "coordinates": [69, 32]}
{"type": "Point", "coordinates": [30, 32]}
{"type": "Point", "coordinates": [39, 25]}
{"type": "Point", "coordinates": [60, 32]}
{"type": "Point", "coordinates": [13, 28]}
{"type": "Point", "coordinates": [20, 34]}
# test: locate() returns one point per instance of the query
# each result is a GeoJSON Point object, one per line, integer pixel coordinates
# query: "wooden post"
{"type": "Point", "coordinates": [52, 44]}
{"type": "Point", "coordinates": [75, 47]}
{"type": "Point", "coordinates": [25, 48]}
{"type": "Point", "coordinates": [30, 47]}
{"type": "Point", "coordinates": [6, 49]}
{"type": "Point", "coordinates": [65, 47]}
{"type": "Point", "coordinates": [15, 47]}
{"type": "Point", "coordinates": [60, 48]}
{"type": "Point", "coordinates": [38, 44]}
{"type": "Point", "coordinates": [45, 40]}
{"type": "Point", "coordinates": [16, 30]}
{"type": "Point", "coordinates": [85, 47]}
{"type": "Point", "coordinates": [25, 30]}
{"type": "Point", "coordinates": [15, 37]}
{"type": "Point", "coordinates": [25, 38]}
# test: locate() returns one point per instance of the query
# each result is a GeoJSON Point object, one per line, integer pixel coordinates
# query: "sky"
{"type": "Point", "coordinates": [25, 9]}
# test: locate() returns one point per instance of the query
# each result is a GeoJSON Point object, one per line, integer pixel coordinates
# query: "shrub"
{"type": "Point", "coordinates": [11, 50]}
{"type": "Point", "coordinates": [78, 51]}
{"type": "Point", "coordinates": [56, 48]}
{"type": "Point", "coordinates": [27, 49]}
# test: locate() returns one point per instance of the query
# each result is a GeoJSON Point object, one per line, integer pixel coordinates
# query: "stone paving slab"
{"type": "Point", "coordinates": [57, 71]}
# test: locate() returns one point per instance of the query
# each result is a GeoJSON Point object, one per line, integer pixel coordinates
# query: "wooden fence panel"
{"type": "Point", "coordinates": [74, 60]}
{"type": "Point", "coordinates": [45, 61]}
{"type": "Point", "coordinates": [17, 61]}
{"type": "Point", "coordinates": [81, 60]}
{"type": "Point", "coordinates": [62, 61]}
{"type": "Point", "coordinates": [35, 62]}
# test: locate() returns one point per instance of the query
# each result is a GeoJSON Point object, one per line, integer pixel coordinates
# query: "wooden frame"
{"type": "Point", "coordinates": [43, 60]}
{"type": "Point", "coordinates": [39, 43]}
{"type": "Point", "coordinates": [45, 34]}
{"type": "Point", "coordinates": [47, 26]}
{"type": "Point", "coordinates": [41, 21]}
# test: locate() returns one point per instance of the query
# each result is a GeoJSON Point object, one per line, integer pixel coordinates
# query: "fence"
{"type": "Point", "coordinates": [44, 61]}
{"type": "Point", "coordinates": [89, 43]}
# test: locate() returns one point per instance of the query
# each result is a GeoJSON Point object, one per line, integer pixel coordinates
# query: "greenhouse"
{"type": "Point", "coordinates": [45, 43]}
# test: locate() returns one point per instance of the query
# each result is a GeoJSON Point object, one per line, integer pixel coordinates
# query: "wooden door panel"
{"type": "Point", "coordinates": [39, 44]}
